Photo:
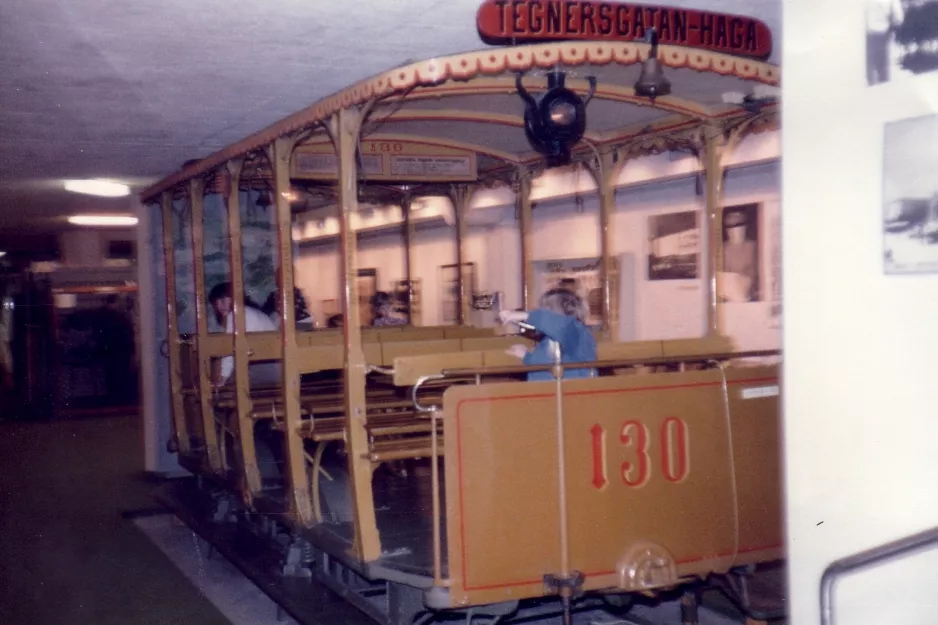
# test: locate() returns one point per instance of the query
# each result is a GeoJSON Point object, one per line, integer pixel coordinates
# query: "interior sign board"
{"type": "Point", "coordinates": [419, 166]}
{"type": "Point", "coordinates": [309, 163]}
{"type": "Point", "coordinates": [507, 22]}
{"type": "Point", "coordinates": [388, 161]}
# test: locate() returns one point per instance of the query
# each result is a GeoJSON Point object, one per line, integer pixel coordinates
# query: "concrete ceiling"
{"type": "Point", "coordinates": [129, 91]}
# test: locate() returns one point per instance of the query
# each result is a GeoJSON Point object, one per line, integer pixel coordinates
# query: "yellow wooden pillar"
{"type": "Point", "coordinates": [196, 202]}
{"type": "Point", "coordinates": [461, 196]}
{"type": "Point", "coordinates": [717, 143]}
{"type": "Point", "coordinates": [605, 170]}
{"type": "Point", "coordinates": [408, 231]}
{"type": "Point", "coordinates": [523, 203]}
{"type": "Point", "coordinates": [279, 153]}
{"type": "Point", "coordinates": [344, 128]}
{"type": "Point", "coordinates": [714, 144]}
{"type": "Point", "coordinates": [172, 336]}
{"type": "Point", "coordinates": [252, 484]}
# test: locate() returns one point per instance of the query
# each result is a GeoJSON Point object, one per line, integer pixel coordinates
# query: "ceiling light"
{"type": "Point", "coordinates": [102, 220]}
{"type": "Point", "coordinates": [103, 188]}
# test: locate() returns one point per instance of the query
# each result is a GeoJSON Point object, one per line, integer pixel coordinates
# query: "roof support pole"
{"type": "Point", "coordinates": [279, 153]}
{"type": "Point", "coordinates": [345, 127]}
{"type": "Point", "coordinates": [196, 203]}
{"type": "Point", "coordinates": [718, 142]}
{"type": "Point", "coordinates": [714, 145]}
{"type": "Point", "coordinates": [409, 231]}
{"type": "Point", "coordinates": [172, 335]}
{"type": "Point", "coordinates": [461, 196]}
{"type": "Point", "coordinates": [523, 204]}
{"type": "Point", "coordinates": [605, 170]}
{"type": "Point", "coordinates": [243, 404]}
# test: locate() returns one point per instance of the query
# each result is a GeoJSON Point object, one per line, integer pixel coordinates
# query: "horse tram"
{"type": "Point", "coordinates": [422, 471]}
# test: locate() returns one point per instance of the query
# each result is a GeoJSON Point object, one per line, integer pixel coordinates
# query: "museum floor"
{"type": "Point", "coordinates": [66, 553]}
{"type": "Point", "coordinates": [77, 545]}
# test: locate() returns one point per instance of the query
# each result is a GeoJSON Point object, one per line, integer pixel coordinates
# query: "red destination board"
{"type": "Point", "coordinates": [504, 22]}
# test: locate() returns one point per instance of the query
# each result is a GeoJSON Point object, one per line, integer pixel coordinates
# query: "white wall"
{"type": "Point", "coordinates": [662, 309]}
{"type": "Point", "coordinates": [860, 424]}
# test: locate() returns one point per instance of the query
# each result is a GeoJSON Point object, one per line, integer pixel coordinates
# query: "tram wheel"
{"type": "Point", "coordinates": [620, 603]}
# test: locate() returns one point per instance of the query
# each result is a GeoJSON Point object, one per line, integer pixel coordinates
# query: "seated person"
{"type": "Point", "coordinates": [558, 318]}
{"type": "Point", "coordinates": [255, 320]}
{"type": "Point", "coordinates": [301, 315]}
{"type": "Point", "coordinates": [383, 311]}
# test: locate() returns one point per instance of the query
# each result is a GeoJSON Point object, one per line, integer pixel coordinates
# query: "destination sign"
{"type": "Point", "coordinates": [504, 22]}
{"type": "Point", "coordinates": [391, 160]}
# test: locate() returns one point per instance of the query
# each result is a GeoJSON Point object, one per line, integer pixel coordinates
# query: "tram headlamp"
{"type": "Point", "coordinates": [556, 122]}
{"type": "Point", "coordinates": [563, 113]}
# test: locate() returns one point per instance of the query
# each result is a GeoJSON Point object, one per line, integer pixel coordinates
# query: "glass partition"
{"type": "Point", "coordinates": [183, 266]}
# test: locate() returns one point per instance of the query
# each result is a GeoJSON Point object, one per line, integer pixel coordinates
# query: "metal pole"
{"type": "Point", "coordinates": [523, 201]}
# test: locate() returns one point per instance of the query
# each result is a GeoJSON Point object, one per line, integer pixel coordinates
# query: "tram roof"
{"type": "Point", "coordinates": [470, 102]}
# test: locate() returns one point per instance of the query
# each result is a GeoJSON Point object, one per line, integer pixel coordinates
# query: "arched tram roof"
{"type": "Point", "coordinates": [470, 101]}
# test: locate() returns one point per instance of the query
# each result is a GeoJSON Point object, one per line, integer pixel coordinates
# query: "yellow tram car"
{"type": "Point", "coordinates": [413, 467]}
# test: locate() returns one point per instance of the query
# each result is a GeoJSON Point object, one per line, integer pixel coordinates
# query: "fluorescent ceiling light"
{"type": "Point", "coordinates": [103, 188]}
{"type": "Point", "coordinates": [102, 220]}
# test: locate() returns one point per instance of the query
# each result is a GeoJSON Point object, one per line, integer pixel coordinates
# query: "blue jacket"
{"type": "Point", "coordinates": [577, 344]}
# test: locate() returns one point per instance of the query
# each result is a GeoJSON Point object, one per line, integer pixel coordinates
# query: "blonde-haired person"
{"type": "Point", "coordinates": [560, 317]}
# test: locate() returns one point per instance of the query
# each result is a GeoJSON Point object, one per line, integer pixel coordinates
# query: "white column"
{"type": "Point", "coordinates": [154, 368]}
{"type": "Point", "coordinates": [859, 379]}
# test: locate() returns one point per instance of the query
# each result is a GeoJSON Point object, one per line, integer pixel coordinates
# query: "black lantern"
{"type": "Point", "coordinates": [556, 122]}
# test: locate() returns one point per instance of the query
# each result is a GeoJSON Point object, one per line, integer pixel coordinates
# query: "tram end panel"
{"type": "Point", "coordinates": [653, 494]}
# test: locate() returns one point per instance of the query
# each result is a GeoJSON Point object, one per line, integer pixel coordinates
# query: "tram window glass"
{"type": "Point", "coordinates": [317, 266]}
{"type": "Point", "coordinates": [183, 266]}
{"type": "Point", "coordinates": [216, 251]}
{"type": "Point", "coordinates": [259, 257]}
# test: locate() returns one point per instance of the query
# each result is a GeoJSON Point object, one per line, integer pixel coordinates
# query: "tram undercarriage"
{"type": "Point", "coordinates": [398, 591]}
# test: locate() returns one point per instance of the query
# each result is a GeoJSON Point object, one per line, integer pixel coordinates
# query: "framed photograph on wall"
{"type": "Point", "coordinates": [910, 196]}
{"type": "Point", "coordinates": [901, 38]}
{"type": "Point", "coordinates": [449, 290]}
{"type": "Point", "coordinates": [741, 279]}
{"type": "Point", "coordinates": [674, 246]}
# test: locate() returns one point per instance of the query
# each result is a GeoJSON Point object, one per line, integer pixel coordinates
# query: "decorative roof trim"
{"type": "Point", "coordinates": [467, 66]}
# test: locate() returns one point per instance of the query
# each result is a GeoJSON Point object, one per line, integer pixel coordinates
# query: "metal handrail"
{"type": "Point", "coordinates": [613, 363]}
{"type": "Point", "coordinates": [870, 557]}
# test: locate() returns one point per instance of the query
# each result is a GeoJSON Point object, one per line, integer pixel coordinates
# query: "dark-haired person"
{"type": "Point", "coordinates": [383, 311]}
{"type": "Point", "coordinates": [261, 373]}
{"type": "Point", "coordinates": [301, 315]}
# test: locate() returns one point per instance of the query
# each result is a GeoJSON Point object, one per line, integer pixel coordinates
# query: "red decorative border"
{"type": "Point", "coordinates": [459, 455]}
{"type": "Point", "coordinates": [472, 64]}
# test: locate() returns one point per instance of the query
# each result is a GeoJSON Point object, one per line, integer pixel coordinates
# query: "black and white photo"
{"type": "Point", "coordinates": [910, 195]}
{"type": "Point", "coordinates": [740, 279]}
{"type": "Point", "coordinates": [901, 39]}
{"type": "Point", "coordinates": [674, 246]}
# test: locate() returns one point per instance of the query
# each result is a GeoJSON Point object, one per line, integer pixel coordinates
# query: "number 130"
{"type": "Point", "coordinates": [675, 454]}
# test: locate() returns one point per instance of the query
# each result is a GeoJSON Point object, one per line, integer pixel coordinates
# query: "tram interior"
{"type": "Point", "coordinates": [431, 217]}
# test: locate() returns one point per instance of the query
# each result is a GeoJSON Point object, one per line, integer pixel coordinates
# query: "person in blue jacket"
{"type": "Point", "coordinates": [559, 317]}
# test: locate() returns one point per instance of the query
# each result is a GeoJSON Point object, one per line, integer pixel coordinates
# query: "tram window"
{"type": "Point", "coordinates": [183, 266]}
{"type": "Point", "coordinates": [216, 251]}
{"type": "Point", "coordinates": [258, 245]}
